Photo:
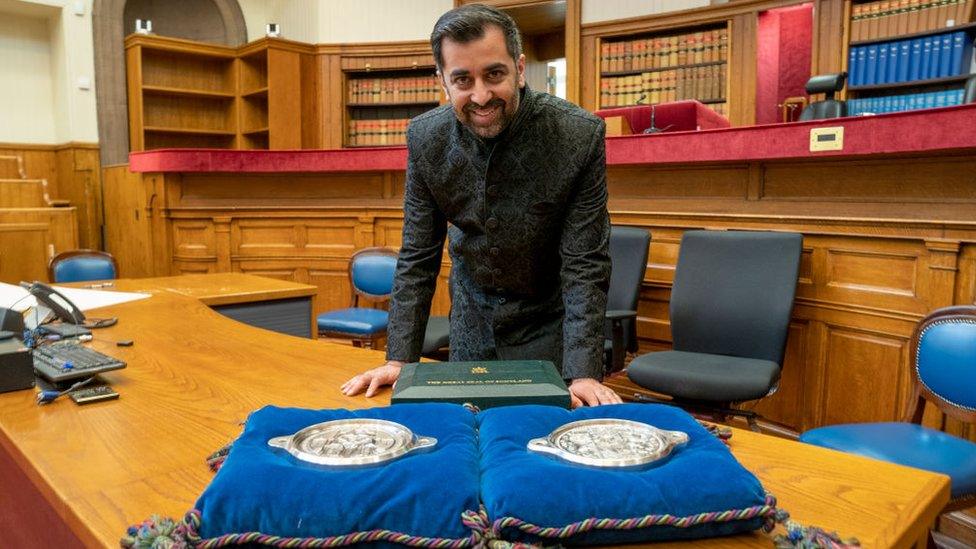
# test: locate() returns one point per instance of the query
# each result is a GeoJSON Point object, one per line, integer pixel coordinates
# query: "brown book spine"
{"type": "Point", "coordinates": [604, 57]}
{"type": "Point", "coordinates": [963, 12]}
{"type": "Point", "coordinates": [885, 19]}
{"type": "Point", "coordinates": [724, 45]}
{"type": "Point", "coordinates": [673, 42]}
{"type": "Point", "coordinates": [873, 19]}
{"type": "Point", "coordinates": [857, 14]}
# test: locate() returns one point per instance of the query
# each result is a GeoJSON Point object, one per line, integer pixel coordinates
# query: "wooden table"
{"type": "Point", "coordinates": [78, 476]}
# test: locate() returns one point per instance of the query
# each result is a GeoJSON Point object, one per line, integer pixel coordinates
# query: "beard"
{"type": "Point", "coordinates": [504, 112]}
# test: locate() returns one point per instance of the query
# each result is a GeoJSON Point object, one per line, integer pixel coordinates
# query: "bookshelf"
{"type": "Point", "coordinates": [667, 65]}
{"type": "Point", "coordinates": [906, 55]}
{"type": "Point", "coordinates": [189, 94]}
{"type": "Point", "coordinates": [382, 94]}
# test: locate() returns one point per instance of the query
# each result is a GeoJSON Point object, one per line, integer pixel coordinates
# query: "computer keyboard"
{"type": "Point", "coordinates": [67, 360]}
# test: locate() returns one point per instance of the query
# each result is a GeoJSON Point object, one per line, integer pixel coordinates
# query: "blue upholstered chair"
{"type": "Point", "coordinates": [371, 279]}
{"type": "Point", "coordinates": [730, 311]}
{"type": "Point", "coordinates": [944, 365]}
{"type": "Point", "coordinates": [82, 265]}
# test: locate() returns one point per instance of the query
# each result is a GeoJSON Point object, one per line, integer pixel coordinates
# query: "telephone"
{"type": "Point", "coordinates": [62, 307]}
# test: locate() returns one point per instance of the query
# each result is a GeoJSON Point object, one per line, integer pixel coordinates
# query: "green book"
{"type": "Point", "coordinates": [484, 384]}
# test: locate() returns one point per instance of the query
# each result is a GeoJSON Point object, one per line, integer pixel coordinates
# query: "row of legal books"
{"type": "Point", "coordinates": [886, 18]}
{"type": "Point", "coordinates": [909, 102]}
{"type": "Point", "coordinates": [721, 108]}
{"type": "Point", "coordinates": [665, 51]}
{"type": "Point", "coordinates": [936, 56]}
{"type": "Point", "coordinates": [365, 91]}
{"type": "Point", "coordinates": [375, 133]}
{"type": "Point", "coordinates": [702, 83]}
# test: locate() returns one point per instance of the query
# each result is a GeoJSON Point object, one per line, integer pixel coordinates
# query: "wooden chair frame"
{"type": "Point", "coordinates": [922, 395]}
{"type": "Point", "coordinates": [70, 254]}
{"type": "Point", "coordinates": [357, 295]}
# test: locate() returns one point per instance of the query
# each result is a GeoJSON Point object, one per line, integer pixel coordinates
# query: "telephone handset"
{"type": "Point", "coordinates": [62, 307]}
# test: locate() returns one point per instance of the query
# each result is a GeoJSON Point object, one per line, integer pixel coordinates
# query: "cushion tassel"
{"type": "Point", "coordinates": [804, 537]}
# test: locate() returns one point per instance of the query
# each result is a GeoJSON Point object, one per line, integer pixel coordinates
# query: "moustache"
{"type": "Point", "coordinates": [490, 105]}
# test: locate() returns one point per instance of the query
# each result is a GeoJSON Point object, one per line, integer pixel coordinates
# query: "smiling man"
{"type": "Point", "coordinates": [517, 180]}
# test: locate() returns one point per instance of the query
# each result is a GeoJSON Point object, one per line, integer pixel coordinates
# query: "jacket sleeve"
{"type": "Point", "coordinates": [585, 273]}
{"type": "Point", "coordinates": [424, 231]}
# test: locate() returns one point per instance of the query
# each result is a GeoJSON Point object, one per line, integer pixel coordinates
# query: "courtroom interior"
{"type": "Point", "coordinates": [223, 223]}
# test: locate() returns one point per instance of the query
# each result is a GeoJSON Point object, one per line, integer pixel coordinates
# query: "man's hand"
{"type": "Point", "coordinates": [591, 392]}
{"type": "Point", "coordinates": [372, 380]}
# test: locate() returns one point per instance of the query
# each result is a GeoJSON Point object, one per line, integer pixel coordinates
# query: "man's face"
{"type": "Point", "coordinates": [482, 81]}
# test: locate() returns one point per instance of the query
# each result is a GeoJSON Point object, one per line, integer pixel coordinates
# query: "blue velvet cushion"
{"type": "Point", "coordinates": [354, 321]}
{"type": "Point", "coordinates": [259, 489]}
{"type": "Point", "coordinates": [700, 477]}
{"type": "Point", "coordinates": [906, 444]}
{"type": "Point", "coordinates": [79, 269]}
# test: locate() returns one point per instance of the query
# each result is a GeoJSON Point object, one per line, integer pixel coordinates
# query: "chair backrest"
{"type": "Point", "coordinates": [944, 362]}
{"type": "Point", "coordinates": [371, 274]}
{"type": "Point", "coordinates": [829, 108]}
{"type": "Point", "coordinates": [969, 92]}
{"type": "Point", "coordinates": [733, 293]}
{"type": "Point", "coordinates": [628, 256]}
{"type": "Point", "coordinates": [81, 265]}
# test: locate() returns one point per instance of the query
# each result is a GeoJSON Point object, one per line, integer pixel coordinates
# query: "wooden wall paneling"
{"type": "Point", "coordinates": [313, 108]}
{"type": "Point", "coordinates": [40, 162]}
{"type": "Point", "coordinates": [133, 85]}
{"type": "Point", "coordinates": [30, 237]}
{"type": "Point", "coordinates": [334, 88]}
{"type": "Point", "coordinates": [127, 231]}
{"type": "Point", "coordinates": [80, 182]}
{"type": "Point", "coordinates": [965, 291]}
{"type": "Point", "coordinates": [787, 403]}
{"type": "Point", "coordinates": [292, 190]}
{"type": "Point", "coordinates": [741, 84]}
{"type": "Point", "coordinates": [574, 57]}
{"type": "Point", "coordinates": [589, 73]}
{"type": "Point", "coordinates": [284, 98]}
{"type": "Point", "coordinates": [830, 35]}
{"type": "Point", "coordinates": [866, 376]}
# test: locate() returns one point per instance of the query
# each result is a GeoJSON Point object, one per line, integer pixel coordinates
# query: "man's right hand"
{"type": "Point", "coordinates": [372, 380]}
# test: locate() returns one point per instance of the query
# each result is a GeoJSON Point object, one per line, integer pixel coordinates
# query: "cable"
{"type": "Point", "coordinates": [47, 397]}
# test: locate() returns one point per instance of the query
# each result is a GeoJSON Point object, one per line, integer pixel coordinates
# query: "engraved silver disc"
{"type": "Point", "coordinates": [609, 443]}
{"type": "Point", "coordinates": [351, 442]}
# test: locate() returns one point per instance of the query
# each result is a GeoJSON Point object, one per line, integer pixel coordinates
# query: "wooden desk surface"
{"type": "Point", "coordinates": [221, 288]}
{"type": "Point", "coordinates": [193, 376]}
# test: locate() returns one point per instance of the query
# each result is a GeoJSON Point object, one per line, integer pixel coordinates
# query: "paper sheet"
{"type": "Point", "coordinates": [13, 296]}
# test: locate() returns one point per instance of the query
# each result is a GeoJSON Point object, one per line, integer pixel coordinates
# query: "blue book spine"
{"type": "Point", "coordinates": [852, 67]}
{"type": "Point", "coordinates": [894, 50]}
{"type": "Point", "coordinates": [923, 71]}
{"type": "Point", "coordinates": [881, 71]}
{"type": "Point", "coordinates": [945, 56]}
{"type": "Point", "coordinates": [929, 100]}
{"type": "Point", "coordinates": [862, 63]}
{"type": "Point", "coordinates": [871, 70]}
{"type": "Point", "coordinates": [962, 49]}
{"type": "Point", "coordinates": [904, 60]}
{"type": "Point", "coordinates": [912, 102]}
{"type": "Point", "coordinates": [915, 59]}
{"type": "Point", "coordinates": [902, 103]}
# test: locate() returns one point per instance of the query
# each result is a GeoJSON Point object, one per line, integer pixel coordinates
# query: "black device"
{"type": "Point", "coordinates": [16, 368]}
{"type": "Point", "coordinates": [63, 361]}
{"type": "Point", "coordinates": [64, 329]}
{"type": "Point", "coordinates": [12, 321]}
{"type": "Point", "coordinates": [87, 395]}
{"type": "Point", "coordinates": [61, 306]}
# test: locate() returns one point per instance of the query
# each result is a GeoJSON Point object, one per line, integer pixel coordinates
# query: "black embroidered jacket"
{"type": "Point", "coordinates": [528, 237]}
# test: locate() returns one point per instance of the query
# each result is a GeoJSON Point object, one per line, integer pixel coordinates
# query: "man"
{"type": "Point", "coordinates": [521, 178]}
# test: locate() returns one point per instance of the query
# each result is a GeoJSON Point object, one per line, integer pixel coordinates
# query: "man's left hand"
{"type": "Point", "coordinates": [591, 392]}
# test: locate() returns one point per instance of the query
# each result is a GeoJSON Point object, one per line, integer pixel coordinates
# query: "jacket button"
{"type": "Point", "coordinates": [496, 271]}
{"type": "Point", "coordinates": [492, 190]}
{"type": "Point", "coordinates": [494, 250]}
{"type": "Point", "coordinates": [491, 223]}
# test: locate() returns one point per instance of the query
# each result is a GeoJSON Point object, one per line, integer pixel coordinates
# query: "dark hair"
{"type": "Point", "coordinates": [468, 23]}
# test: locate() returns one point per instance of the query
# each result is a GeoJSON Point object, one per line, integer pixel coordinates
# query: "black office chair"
{"type": "Point", "coordinates": [829, 107]}
{"type": "Point", "coordinates": [730, 312]}
{"type": "Point", "coordinates": [628, 254]}
{"type": "Point", "coordinates": [969, 92]}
